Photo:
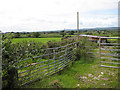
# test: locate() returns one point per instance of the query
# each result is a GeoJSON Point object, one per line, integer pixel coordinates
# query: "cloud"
{"type": "Point", "coordinates": [30, 15]}
{"type": "Point", "coordinates": [99, 21]}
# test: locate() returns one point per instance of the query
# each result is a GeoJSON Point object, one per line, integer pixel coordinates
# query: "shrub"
{"type": "Point", "coordinates": [36, 34]}
{"type": "Point", "coordinates": [8, 65]}
{"type": "Point", "coordinates": [17, 35]}
{"type": "Point", "coordinates": [83, 47]}
{"type": "Point", "coordinates": [11, 56]}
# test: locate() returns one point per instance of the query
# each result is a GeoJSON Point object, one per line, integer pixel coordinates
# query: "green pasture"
{"type": "Point", "coordinates": [113, 40]}
{"type": "Point", "coordinates": [81, 74]}
{"type": "Point", "coordinates": [38, 72]}
{"type": "Point", "coordinates": [84, 73]}
{"type": "Point", "coordinates": [55, 35]}
{"type": "Point", "coordinates": [43, 40]}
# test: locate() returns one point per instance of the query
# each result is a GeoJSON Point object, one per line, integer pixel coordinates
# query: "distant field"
{"type": "Point", "coordinates": [44, 40]}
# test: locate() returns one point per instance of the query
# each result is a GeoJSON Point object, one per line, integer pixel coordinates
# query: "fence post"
{"type": "Point", "coordinates": [54, 59]}
{"type": "Point", "coordinates": [99, 51]}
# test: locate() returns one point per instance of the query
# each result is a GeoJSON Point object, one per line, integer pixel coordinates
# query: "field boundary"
{"type": "Point", "coordinates": [52, 61]}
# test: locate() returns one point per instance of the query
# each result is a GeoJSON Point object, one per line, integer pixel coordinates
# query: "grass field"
{"type": "Point", "coordinates": [81, 75]}
{"type": "Point", "coordinates": [44, 40]}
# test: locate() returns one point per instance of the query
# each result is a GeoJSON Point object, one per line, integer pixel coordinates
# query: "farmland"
{"type": "Point", "coordinates": [81, 75]}
{"type": "Point", "coordinates": [43, 40]}
{"type": "Point", "coordinates": [40, 48]}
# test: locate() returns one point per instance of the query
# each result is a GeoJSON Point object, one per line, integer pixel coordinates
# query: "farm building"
{"type": "Point", "coordinates": [94, 38]}
{"type": "Point", "coordinates": [90, 37]}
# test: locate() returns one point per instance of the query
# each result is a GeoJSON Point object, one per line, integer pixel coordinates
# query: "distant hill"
{"type": "Point", "coordinates": [99, 28]}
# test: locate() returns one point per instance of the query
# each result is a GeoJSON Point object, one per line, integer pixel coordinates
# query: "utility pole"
{"type": "Point", "coordinates": [78, 24]}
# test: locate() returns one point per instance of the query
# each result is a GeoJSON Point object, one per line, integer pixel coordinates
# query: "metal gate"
{"type": "Point", "coordinates": [109, 52]}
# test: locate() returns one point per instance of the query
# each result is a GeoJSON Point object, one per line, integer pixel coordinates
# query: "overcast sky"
{"type": "Point", "coordinates": [43, 15]}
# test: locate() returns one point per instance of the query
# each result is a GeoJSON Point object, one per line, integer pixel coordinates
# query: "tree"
{"type": "Point", "coordinates": [36, 34]}
{"type": "Point", "coordinates": [62, 33]}
{"type": "Point", "coordinates": [71, 33]}
{"type": "Point", "coordinates": [17, 35]}
{"type": "Point", "coordinates": [29, 35]}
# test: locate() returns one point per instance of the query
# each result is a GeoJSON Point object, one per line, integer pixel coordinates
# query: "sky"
{"type": "Point", "coordinates": [45, 15]}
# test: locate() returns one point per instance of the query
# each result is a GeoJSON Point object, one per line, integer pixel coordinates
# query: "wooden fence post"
{"type": "Point", "coordinates": [99, 51]}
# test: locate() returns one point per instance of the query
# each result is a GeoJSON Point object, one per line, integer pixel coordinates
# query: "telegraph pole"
{"type": "Point", "coordinates": [78, 24]}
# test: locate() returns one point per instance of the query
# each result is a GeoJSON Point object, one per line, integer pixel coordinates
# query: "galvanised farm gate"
{"type": "Point", "coordinates": [109, 53]}
{"type": "Point", "coordinates": [50, 62]}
